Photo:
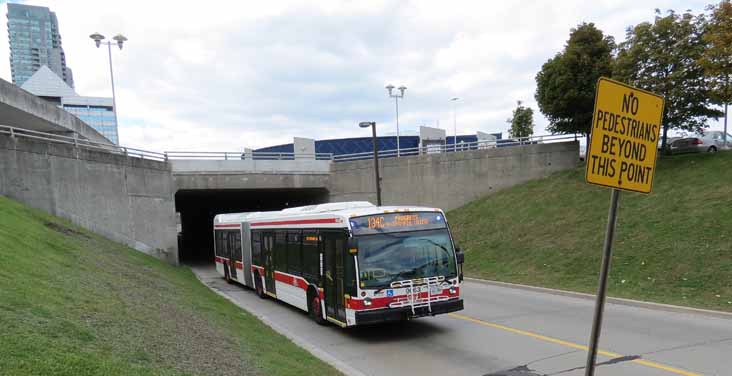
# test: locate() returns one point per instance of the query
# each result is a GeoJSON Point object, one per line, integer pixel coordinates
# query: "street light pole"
{"type": "Point", "coordinates": [372, 124]}
{"type": "Point", "coordinates": [396, 97]}
{"type": "Point", "coordinates": [119, 40]}
{"type": "Point", "coordinates": [454, 121]}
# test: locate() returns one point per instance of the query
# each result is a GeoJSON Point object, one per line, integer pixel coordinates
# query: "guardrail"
{"type": "Point", "coordinates": [82, 143]}
{"type": "Point", "coordinates": [459, 147]}
{"type": "Point", "coordinates": [238, 155]}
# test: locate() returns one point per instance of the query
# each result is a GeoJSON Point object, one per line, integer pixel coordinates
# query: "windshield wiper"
{"type": "Point", "coordinates": [399, 275]}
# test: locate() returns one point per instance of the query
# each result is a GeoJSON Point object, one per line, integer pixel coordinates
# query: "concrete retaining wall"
{"type": "Point", "coordinates": [449, 180]}
{"type": "Point", "coordinates": [128, 200]}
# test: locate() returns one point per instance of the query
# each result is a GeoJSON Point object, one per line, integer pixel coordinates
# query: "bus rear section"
{"type": "Point", "coordinates": [407, 266]}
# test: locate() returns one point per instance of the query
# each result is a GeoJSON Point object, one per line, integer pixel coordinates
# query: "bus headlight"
{"type": "Point", "coordinates": [367, 302]}
{"type": "Point", "coordinates": [453, 291]}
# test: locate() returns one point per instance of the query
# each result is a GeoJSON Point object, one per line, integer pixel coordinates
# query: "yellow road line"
{"type": "Point", "coordinates": [573, 345]}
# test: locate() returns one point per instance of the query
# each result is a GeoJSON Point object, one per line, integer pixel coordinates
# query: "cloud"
{"type": "Point", "coordinates": [228, 75]}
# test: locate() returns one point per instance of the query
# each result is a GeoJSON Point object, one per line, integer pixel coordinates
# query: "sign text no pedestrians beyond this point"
{"type": "Point", "coordinates": [625, 130]}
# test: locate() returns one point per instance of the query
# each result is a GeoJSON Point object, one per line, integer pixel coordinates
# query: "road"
{"type": "Point", "coordinates": [510, 332]}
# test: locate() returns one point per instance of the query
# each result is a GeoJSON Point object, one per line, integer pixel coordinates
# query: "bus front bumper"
{"type": "Point", "coordinates": [405, 313]}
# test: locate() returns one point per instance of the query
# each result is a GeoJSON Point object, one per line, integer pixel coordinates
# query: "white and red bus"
{"type": "Point", "coordinates": [349, 263]}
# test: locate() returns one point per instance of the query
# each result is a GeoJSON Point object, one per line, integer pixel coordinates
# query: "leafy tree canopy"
{"type": "Point", "coordinates": [663, 57]}
{"type": "Point", "coordinates": [522, 122]}
{"type": "Point", "coordinates": [565, 86]}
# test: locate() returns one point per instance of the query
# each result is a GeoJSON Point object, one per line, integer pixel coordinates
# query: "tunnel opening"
{"type": "Point", "coordinates": [197, 209]}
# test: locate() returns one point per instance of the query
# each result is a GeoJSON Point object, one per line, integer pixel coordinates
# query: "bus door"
{"type": "Point", "coordinates": [268, 260]}
{"type": "Point", "coordinates": [334, 248]}
{"type": "Point", "coordinates": [231, 252]}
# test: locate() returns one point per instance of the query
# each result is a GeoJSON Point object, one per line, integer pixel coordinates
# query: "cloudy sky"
{"type": "Point", "coordinates": [225, 75]}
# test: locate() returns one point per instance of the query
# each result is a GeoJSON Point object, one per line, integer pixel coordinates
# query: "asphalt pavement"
{"type": "Point", "coordinates": [505, 331]}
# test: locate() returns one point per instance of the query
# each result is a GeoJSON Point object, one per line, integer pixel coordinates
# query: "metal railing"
{"type": "Point", "coordinates": [82, 143]}
{"type": "Point", "coordinates": [459, 147]}
{"type": "Point", "coordinates": [238, 155]}
{"type": "Point", "coordinates": [256, 155]}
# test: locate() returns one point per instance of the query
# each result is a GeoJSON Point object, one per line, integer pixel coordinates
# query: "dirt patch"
{"type": "Point", "coordinates": [65, 230]}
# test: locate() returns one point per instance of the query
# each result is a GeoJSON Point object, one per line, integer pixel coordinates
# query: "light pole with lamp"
{"type": "Point", "coordinates": [120, 40]}
{"type": "Point", "coordinates": [372, 124]}
{"type": "Point", "coordinates": [454, 121]}
{"type": "Point", "coordinates": [396, 97]}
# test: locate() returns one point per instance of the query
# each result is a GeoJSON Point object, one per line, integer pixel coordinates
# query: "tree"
{"type": "Point", "coordinates": [662, 57]}
{"type": "Point", "coordinates": [565, 86]}
{"type": "Point", "coordinates": [522, 122]}
{"type": "Point", "coordinates": [717, 56]}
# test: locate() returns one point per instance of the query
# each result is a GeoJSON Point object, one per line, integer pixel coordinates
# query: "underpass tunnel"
{"type": "Point", "coordinates": [197, 209]}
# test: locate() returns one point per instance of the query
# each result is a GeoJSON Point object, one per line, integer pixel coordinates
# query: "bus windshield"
{"type": "Point", "coordinates": [388, 257]}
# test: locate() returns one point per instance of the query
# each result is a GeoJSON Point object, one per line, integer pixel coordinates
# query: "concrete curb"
{"type": "Point", "coordinates": [309, 347]}
{"type": "Point", "coordinates": [618, 301]}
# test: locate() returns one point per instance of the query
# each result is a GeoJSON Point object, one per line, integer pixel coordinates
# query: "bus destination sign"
{"type": "Point", "coordinates": [397, 222]}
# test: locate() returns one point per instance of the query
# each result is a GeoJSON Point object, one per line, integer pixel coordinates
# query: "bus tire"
{"type": "Point", "coordinates": [316, 311]}
{"type": "Point", "coordinates": [258, 288]}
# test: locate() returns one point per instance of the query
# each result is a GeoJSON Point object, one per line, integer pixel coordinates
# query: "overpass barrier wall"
{"type": "Point", "coordinates": [449, 180]}
{"type": "Point", "coordinates": [296, 166]}
{"type": "Point", "coordinates": [127, 199]}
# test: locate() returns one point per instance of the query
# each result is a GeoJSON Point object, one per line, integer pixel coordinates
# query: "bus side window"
{"type": "Point", "coordinates": [280, 251]}
{"type": "Point", "coordinates": [223, 249]}
{"type": "Point", "coordinates": [236, 244]}
{"type": "Point", "coordinates": [293, 253]}
{"type": "Point", "coordinates": [310, 256]}
{"type": "Point", "coordinates": [256, 247]}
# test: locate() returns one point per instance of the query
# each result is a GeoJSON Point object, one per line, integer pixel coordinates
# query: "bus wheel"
{"type": "Point", "coordinates": [316, 312]}
{"type": "Point", "coordinates": [258, 286]}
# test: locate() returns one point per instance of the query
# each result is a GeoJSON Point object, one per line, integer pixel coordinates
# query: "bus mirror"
{"type": "Point", "coordinates": [460, 255]}
{"type": "Point", "coordinates": [352, 246]}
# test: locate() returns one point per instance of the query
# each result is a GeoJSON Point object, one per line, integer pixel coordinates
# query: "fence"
{"type": "Point", "coordinates": [82, 143]}
{"type": "Point", "coordinates": [239, 155]}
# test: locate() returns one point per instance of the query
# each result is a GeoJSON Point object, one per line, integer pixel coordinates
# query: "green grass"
{"type": "Point", "coordinates": [74, 303]}
{"type": "Point", "coordinates": [672, 246]}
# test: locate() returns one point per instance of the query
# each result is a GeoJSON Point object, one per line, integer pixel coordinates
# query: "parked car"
{"type": "Point", "coordinates": [696, 144]}
{"type": "Point", "coordinates": [717, 138]}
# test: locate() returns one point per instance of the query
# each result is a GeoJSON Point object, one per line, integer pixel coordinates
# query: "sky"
{"type": "Point", "coordinates": [229, 75]}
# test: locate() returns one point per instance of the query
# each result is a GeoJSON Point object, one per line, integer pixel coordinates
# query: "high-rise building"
{"type": "Point", "coordinates": [35, 41]}
{"type": "Point", "coordinates": [98, 112]}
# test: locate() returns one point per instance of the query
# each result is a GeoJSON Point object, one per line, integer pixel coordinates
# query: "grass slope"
{"type": "Point", "coordinates": [672, 246]}
{"type": "Point", "coordinates": [74, 303]}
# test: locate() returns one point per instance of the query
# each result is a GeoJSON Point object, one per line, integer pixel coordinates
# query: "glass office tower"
{"type": "Point", "coordinates": [35, 41]}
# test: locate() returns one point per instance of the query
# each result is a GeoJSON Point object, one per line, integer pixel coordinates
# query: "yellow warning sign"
{"type": "Point", "coordinates": [626, 127]}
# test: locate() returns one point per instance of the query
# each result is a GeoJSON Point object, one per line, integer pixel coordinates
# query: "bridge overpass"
{"type": "Point", "coordinates": [139, 197]}
{"type": "Point", "coordinates": [19, 108]}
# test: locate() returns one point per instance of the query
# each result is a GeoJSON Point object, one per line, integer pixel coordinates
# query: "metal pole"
{"type": "Point", "coordinates": [454, 124]}
{"type": "Point", "coordinates": [724, 137]}
{"type": "Point", "coordinates": [396, 102]}
{"type": "Point", "coordinates": [602, 290]}
{"type": "Point", "coordinates": [376, 164]}
{"type": "Point", "coordinates": [111, 74]}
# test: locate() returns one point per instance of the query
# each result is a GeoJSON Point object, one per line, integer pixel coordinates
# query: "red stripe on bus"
{"type": "Point", "coordinates": [291, 280]}
{"type": "Point", "coordinates": [297, 222]}
{"type": "Point", "coordinates": [239, 265]}
{"type": "Point", "coordinates": [229, 225]}
{"type": "Point", "coordinates": [383, 302]}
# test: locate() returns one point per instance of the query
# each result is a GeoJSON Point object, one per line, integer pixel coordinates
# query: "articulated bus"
{"type": "Point", "coordinates": [348, 263]}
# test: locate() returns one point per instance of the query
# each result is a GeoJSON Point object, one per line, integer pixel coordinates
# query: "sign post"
{"type": "Point", "coordinates": [626, 124]}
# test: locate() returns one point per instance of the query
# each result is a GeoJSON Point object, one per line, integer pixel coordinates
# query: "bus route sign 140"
{"type": "Point", "coordinates": [626, 127]}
